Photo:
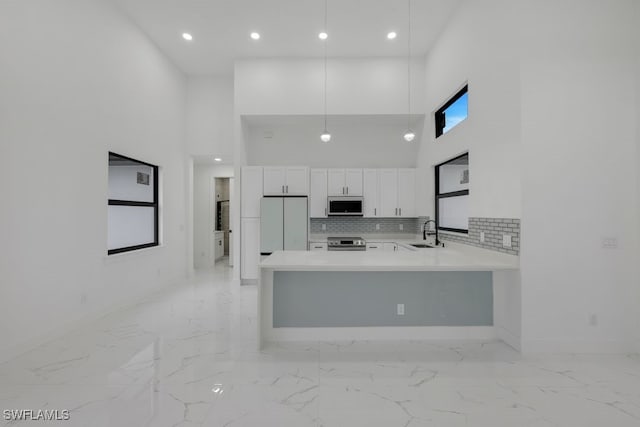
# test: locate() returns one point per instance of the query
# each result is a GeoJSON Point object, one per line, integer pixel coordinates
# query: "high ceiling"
{"type": "Point", "coordinates": [289, 28]}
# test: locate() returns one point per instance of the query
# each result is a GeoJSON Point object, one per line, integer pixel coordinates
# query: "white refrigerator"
{"type": "Point", "coordinates": [283, 224]}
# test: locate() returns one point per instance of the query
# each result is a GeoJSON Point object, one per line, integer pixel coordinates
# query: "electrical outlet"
{"type": "Point", "coordinates": [593, 319]}
{"type": "Point", "coordinates": [482, 237]}
{"type": "Point", "coordinates": [324, 227]}
{"type": "Point", "coordinates": [400, 310]}
{"type": "Point", "coordinates": [401, 226]}
{"type": "Point", "coordinates": [506, 240]}
{"type": "Point", "coordinates": [609, 242]}
{"type": "Point", "coordinates": [377, 226]}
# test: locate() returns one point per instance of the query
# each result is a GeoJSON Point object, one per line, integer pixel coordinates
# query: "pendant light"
{"type": "Point", "coordinates": [326, 136]}
{"type": "Point", "coordinates": [409, 134]}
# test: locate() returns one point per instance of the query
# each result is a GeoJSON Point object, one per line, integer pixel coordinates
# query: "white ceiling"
{"type": "Point", "coordinates": [289, 28]}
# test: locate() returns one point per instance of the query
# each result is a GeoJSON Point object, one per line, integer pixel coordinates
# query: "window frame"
{"type": "Point", "coordinates": [439, 196]}
{"type": "Point", "coordinates": [439, 115]}
{"type": "Point", "coordinates": [154, 205]}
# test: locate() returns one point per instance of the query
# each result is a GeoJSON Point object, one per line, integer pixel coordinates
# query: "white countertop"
{"type": "Point", "coordinates": [454, 257]}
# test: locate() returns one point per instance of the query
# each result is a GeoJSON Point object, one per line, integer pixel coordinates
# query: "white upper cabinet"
{"type": "Point", "coordinates": [353, 182]}
{"type": "Point", "coordinates": [274, 180]}
{"type": "Point", "coordinates": [388, 192]}
{"type": "Point", "coordinates": [318, 193]}
{"type": "Point", "coordinates": [286, 181]}
{"type": "Point", "coordinates": [344, 182]}
{"type": "Point", "coordinates": [251, 185]}
{"type": "Point", "coordinates": [396, 192]}
{"type": "Point", "coordinates": [407, 192]}
{"type": "Point", "coordinates": [370, 192]}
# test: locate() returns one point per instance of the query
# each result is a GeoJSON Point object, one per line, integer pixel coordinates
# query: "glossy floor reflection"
{"type": "Point", "coordinates": [187, 357]}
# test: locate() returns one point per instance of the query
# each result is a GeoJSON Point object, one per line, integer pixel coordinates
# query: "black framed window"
{"type": "Point", "coordinates": [454, 111]}
{"type": "Point", "coordinates": [452, 194]}
{"type": "Point", "coordinates": [133, 204]}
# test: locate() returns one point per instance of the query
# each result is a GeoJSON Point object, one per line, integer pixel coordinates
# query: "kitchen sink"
{"type": "Point", "coordinates": [420, 245]}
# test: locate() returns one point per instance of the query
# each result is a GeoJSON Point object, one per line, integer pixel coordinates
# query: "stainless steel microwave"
{"type": "Point", "coordinates": [345, 206]}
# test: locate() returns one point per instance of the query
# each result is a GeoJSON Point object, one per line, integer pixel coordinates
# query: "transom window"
{"type": "Point", "coordinates": [454, 111]}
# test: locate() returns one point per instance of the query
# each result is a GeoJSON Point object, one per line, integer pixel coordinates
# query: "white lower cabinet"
{"type": "Point", "coordinates": [390, 247]}
{"type": "Point", "coordinates": [318, 246]}
{"type": "Point", "coordinates": [375, 246]}
{"type": "Point", "coordinates": [250, 252]}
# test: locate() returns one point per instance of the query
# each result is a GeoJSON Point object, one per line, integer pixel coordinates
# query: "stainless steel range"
{"type": "Point", "coordinates": [346, 244]}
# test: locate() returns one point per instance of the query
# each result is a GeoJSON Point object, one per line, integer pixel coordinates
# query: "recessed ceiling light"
{"type": "Point", "coordinates": [323, 36]}
{"type": "Point", "coordinates": [392, 35]}
{"type": "Point", "coordinates": [218, 159]}
{"type": "Point", "coordinates": [255, 36]}
{"type": "Point", "coordinates": [187, 36]}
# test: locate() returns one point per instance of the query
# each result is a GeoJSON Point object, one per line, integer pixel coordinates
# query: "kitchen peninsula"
{"type": "Point", "coordinates": [457, 292]}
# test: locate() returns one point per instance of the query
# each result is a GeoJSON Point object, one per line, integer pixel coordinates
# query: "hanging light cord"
{"type": "Point", "coordinates": [325, 67]}
{"type": "Point", "coordinates": [409, 67]}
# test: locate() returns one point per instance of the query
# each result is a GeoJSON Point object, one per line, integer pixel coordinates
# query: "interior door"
{"type": "Point", "coordinates": [271, 224]}
{"type": "Point", "coordinates": [296, 219]}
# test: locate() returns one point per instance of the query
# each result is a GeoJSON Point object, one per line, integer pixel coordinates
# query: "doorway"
{"type": "Point", "coordinates": [212, 213]}
{"type": "Point", "coordinates": [222, 199]}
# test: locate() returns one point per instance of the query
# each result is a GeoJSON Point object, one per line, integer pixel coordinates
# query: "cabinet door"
{"type": "Point", "coordinates": [370, 192]}
{"type": "Point", "coordinates": [407, 192]}
{"type": "Point", "coordinates": [251, 191]}
{"type": "Point", "coordinates": [250, 248]}
{"type": "Point", "coordinates": [318, 193]}
{"type": "Point", "coordinates": [317, 246]}
{"type": "Point", "coordinates": [375, 246]}
{"type": "Point", "coordinates": [274, 181]}
{"type": "Point", "coordinates": [335, 182]}
{"type": "Point", "coordinates": [388, 191]}
{"type": "Point", "coordinates": [390, 247]}
{"type": "Point", "coordinates": [353, 182]}
{"type": "Point", "coordinates": [297, 181]}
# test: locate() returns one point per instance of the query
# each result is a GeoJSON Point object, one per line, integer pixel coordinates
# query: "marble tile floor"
{"type": "Point", "coordinates": [187, 357]}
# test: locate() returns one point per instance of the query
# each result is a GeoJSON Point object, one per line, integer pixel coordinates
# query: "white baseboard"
{"type": "Point", "coordinates": [580, 347]}
{"type": "Point", "coordinates": [63, 329]}
{"type": "Point", "coordinates": [382, 333]}
{"type": "Point", "coordinates": [509, 337]}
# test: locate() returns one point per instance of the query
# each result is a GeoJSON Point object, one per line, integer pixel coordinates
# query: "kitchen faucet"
{"type": "Point", "coordinates": [424, 230]}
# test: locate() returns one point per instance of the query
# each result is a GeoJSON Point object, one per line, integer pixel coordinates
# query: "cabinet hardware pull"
{"type": "Point", "coordinates": [400, 212]}
{"type": "Point", "coordinates": [347, 190]}
{"type": "Point", "coordinates": [287, 189]}
{"type": "Point", "coordinates": [374, 212]}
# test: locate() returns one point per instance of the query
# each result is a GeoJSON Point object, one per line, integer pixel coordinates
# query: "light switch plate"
{"type": "Point", "coordinates": [610, 242]}
{"type": "Point", "coordinates": [377, 226]}
{"type": "Point", "coordinates": [400, 310]}
{"type": "Point", "coordinates": [401, 227]}
{"type": "Point", "coordinates": [506, 240]}
{"type": "Point", "coordinates": [324, 227]}
{"type": "Point", "coordinates": [482, 236]}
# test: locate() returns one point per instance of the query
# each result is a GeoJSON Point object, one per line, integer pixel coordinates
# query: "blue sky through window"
{"type": "Point", "coordinates": [456, 113]}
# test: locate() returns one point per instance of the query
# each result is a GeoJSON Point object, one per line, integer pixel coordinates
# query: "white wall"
{"type": "Point", "coordinates": [204, 211]}
{"type": "Point", "coordinates": [355, 142]}
{"type": "Point", "coordinates": [637, 249]}
{"type": "Point", "coordinates": [354, 86]}
{"type": "Point", "coordinates": [478, 46]}
{"type": "Point", "coordinates": [77, 80]}
{"type": "Point", "coordinates": [579, 174]}
{"type": "Point", "coordinates": [210, 116]}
